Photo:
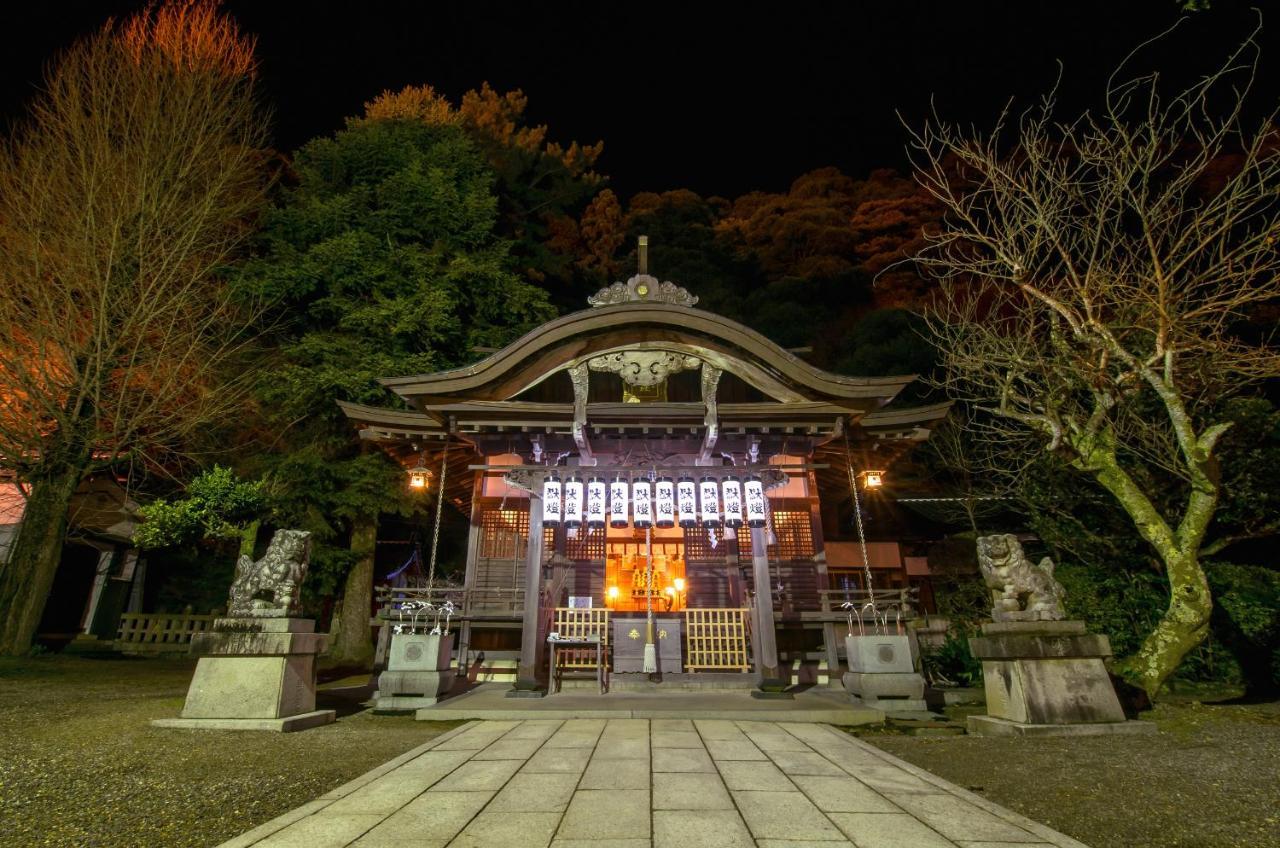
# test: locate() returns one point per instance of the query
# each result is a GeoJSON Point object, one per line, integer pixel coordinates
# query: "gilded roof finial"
{"type": "Point", "coordinates": [642, 287]}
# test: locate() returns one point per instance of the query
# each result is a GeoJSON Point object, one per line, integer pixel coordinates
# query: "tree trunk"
{"type": "Point", "coordinates": [28, 575]}
{"type": "Point", "coordinates": [1181, 629]}
{"type": "Point", "coordinates": [352, 644]}
{"type": "Point", "coordinates": [249, 537]}
{"type": "Point", "coordinates": [1186, 620]}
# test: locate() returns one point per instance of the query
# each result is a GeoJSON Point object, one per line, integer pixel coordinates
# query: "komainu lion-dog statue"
{"type": "Point", "coordinates": [1020, 591]}
{"type": "Point", "coordinates": [269, 588]}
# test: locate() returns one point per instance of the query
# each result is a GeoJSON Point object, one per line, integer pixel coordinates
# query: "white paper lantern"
{"type": "Point", "coordinates": [642, 503]}
{"type": "Point", "coordinates": [665, 503]}
{"type": "Point", "coordinates": [687, 502]}
{"type": "Point", "coordinates": [595, 502]}
{"type": "Point", "coordinates": [732, 502]}
{"type": "Point", "coordinates": [618, 502]}
{"type": "Point", "coordinates": [573, 495]}
{"type": "Point", "coordinates": [710, 500]}
{"type": "Point", "coordinates": [552, 490]}
{"type": "Point", "coordinates": [756, 516]}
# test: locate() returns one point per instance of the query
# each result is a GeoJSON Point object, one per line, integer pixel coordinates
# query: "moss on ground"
{"type": "Point", "coordinates": [81, 766]}
{"type": "Point", "coordinates": [1208, 780]}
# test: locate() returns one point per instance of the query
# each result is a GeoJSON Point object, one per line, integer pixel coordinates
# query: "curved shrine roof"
{"type": "Point", "coordinates": [646, 325]}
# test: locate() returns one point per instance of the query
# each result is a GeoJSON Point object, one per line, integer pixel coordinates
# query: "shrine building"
{"type": "Point", "coordinates": [664, 458]}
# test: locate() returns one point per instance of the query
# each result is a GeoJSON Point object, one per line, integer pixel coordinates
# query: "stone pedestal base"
{"type": "Point", "coordinates": [410, 690]}
{"type": "Point", "coordinates": [288, 724]}
{"type": "Point", "coordinates": [992, 726]}
{"type": "Point", "coordinates": [1039, 673]}
{"type": "Point", "coordinates": [256, 674]}
{"type": "Point", "coordinates": [887, 691]}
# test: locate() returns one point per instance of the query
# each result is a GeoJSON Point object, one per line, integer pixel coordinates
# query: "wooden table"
{"type": "Point", "coordinates": [553, 680]}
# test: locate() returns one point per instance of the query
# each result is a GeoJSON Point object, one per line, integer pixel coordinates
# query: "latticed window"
{"type": "Point", "coordinates": [588, 544]}
{"type": "Point", "coordinates": [504, 527]}
{"type": "Point", "coordinates": [503, 532]}
{"type": "Point", "coordinates": [697, 545]}
{"type": "Point", "coordinates": [794, 532]}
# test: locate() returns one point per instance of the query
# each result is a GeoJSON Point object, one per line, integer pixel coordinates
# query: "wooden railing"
{"type": "Point", "coordinates": [465, 601]}
{"type": "Point", "coordinates": [575, 623]}
{"type": "Point", "coordinates": [906, 600]}
{"type": "Point", "coordinates": [155, 633]}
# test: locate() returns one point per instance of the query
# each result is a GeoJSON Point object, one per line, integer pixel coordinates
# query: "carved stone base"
{"type": "Point", "coordinates": [1046, 673]}
{"type": "Point", "coordinates": [426, 687]}
{"type": "Point", "coordinates": [256, 674]}
{"type": "Point", "coordinates": [992, 726]}
{"type": "Point", "coordinates": [289, 724]}
{"type": "Point", "coordinates": [887, 691]}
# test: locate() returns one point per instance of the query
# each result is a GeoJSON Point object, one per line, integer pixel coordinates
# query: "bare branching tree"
{"type": "Point", "coordinates": [130, 188]}
{"type": "Point", "coordinates": [1095, 274]}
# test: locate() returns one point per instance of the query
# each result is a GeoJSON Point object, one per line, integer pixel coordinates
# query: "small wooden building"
{"type": "Point", "coordinates": [562, 435]}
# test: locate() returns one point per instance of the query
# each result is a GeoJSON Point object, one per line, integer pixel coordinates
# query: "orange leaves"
{"type": "Point", "coordinates": [413, 102]}
{"type": "Point", "coordinates": [192, 36]}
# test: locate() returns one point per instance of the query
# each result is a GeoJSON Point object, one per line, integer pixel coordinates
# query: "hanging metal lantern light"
{"type": "Point", "coordinates": [552, 500]}
{"type": "Point", "coordinates": [573, 496]}
{"type": "Point", "coordinates": [618, 502]}
{"type": "Point", "coordinates": [732, 488]}
{"type": "Point", "coordinates": [687, 502]}
{"type": "Point", "coordinates": [710, 502]}
{"type": "Point", "coordinates": [872, 479]}
{"type": "Point", "coordinates": [595, 502]}
{"type": "Point", "coordinates": [642, 503]}
{"type": "Point", "coordinates": [754, 497]}
{"type": "Point", "coordinates": [665, 503]}
{"type": "Point", "coordinates": [420, 477]}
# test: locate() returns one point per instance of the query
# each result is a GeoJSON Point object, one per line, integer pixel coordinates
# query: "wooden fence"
{"type": "Point", "coordinates": [158, 633]}
{"type": "Point", "coordinates": [716, 639]}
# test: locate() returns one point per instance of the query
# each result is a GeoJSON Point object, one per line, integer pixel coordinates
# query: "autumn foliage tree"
{"type": "Point", "coordinates": [125, 194]}
{"type": "Point", "coordinates": [1097, 275]}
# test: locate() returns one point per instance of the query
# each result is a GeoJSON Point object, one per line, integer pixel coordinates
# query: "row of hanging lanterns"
{"type": "Point", "coordinates": [661, 503]}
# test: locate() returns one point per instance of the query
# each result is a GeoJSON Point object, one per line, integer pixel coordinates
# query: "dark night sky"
{"type": "Point", "coordinates": [718, 98]}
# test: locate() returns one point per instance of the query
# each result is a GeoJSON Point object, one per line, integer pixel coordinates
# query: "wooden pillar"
{"type": "Point", "coordinates": [469, 580]}
{"type": "Point", "coordinates": [527, 672]}
{"type": "Point", "coordinates": [767, 657]}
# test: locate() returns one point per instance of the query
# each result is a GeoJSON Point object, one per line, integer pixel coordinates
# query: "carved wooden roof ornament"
{"type": "Point", "coordinates": [644, 367]}
{"type": "Point", "coordinates": [644, 289]}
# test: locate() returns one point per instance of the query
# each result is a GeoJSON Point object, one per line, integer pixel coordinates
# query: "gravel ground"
{"type": "Point", "coordinates": [1209, 779]}
{"type": "Point", "coordinates": [80, 765]}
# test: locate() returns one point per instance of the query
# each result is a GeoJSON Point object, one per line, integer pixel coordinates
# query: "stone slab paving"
{"type": "Point", "coordinates": [661, 783]}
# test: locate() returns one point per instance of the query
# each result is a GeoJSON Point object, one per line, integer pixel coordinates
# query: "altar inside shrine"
{"type": "Point", "coordinates": [630, 587]}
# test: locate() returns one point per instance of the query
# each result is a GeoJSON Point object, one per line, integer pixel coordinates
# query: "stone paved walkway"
{"type": "Point", "coordinates": [660, 783]}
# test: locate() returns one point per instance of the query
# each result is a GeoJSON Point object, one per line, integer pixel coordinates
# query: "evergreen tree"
{"type": "Point", "coordinates": [382, 260]}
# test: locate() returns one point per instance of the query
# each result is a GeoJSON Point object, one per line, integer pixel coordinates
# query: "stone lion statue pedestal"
{"type": "Point", "coordinates": [1043, 676]}
{"type": "Point", "coordinates": [257, 668]}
